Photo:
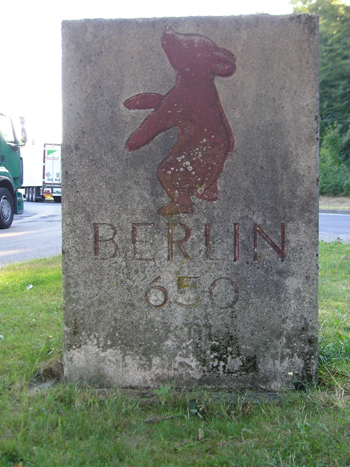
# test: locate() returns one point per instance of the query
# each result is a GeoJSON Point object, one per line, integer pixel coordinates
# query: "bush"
{"type": "Point", "coordinates": [334, 170]}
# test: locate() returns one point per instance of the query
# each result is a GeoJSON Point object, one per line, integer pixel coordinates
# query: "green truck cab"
{"type": "Point", "coordinates": [11, 170]}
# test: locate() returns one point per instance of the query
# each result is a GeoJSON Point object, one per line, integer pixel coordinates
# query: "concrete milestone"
{"type": "Point", "coordinates": [190, 181]}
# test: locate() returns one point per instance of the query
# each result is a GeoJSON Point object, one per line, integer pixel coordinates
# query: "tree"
{"type": "Point", "coordinates": [334, 69]}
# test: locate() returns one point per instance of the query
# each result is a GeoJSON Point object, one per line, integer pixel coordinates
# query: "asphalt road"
{"type": "Point", "coordinates": [34, 234]}
{"type": "Point", "coordinates": [334, 226]}
{"type": "Point", "coordinates": [37, 232]}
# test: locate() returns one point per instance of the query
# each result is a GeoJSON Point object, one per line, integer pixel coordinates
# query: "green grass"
{"type": "Point", "coordinates": [334, 315]}
{"type": "Point", "coordinates": [30, 319]}
{"type": "Point", "coordinates": [66, 425]}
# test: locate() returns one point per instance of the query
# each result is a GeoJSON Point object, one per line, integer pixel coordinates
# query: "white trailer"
{"type": "Point", "coordinates": [42, 172]}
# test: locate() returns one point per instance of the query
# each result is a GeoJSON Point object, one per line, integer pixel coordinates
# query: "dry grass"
{"type": "Point", "coordinates": [335, 203]}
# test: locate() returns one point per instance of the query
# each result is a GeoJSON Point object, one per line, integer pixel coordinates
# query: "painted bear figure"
{"type": "Point", "coordinates": [205, 140]}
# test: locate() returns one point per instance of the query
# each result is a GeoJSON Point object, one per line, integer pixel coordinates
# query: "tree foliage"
{"type": "Point", "coordinates": [334, 91]}
{"type": "Point", "coordinates": [334, 60]}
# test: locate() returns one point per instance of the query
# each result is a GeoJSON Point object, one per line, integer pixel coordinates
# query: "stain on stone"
{"type": "Point", "coordinates": [224, 357]}
{"type": "Point", "coordinates": [249, 364]}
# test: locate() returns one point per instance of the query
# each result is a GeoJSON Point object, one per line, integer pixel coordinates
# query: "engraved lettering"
{"type": "Point", "coordinates": [224, 292]}
{"type": "Point", "coordinates": [106, 246]}
{"type": "Point", "coordinates": [98, 240]}
{"type": "Point", "coordinates": [136, 240]}
{"type": "Point", "coordinates": [156, 295]}
{"type": "Point", "coordinates": [192, 298]}
{"type": "Point", "coordinates": [207, 240]}
{"type": "Point", "coordinates": [278, 250]}
{"type": "Point", "coordinates": [235, 242]}
{"type": "Point", "coordinates": [207, 229]}
{"type": "Point", "coordinates": [180, 242]}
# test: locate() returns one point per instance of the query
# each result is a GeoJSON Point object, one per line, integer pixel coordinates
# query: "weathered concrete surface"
{"type": "Point", "coordinates": [223, 293]}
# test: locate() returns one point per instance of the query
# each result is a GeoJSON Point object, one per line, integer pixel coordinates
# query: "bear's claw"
{"type": "Point", "coordinates": [211, 194]}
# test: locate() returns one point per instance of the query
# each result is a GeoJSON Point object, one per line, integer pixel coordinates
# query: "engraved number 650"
{"type": "Point", "coordinates": [223, 292]}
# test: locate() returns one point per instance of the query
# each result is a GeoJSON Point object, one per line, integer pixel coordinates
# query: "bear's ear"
{"type": "Point", "coordinates": [222, 63]}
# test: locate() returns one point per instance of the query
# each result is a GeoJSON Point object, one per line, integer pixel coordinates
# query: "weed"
{"type": "Point", "coordinates": [162, 393]}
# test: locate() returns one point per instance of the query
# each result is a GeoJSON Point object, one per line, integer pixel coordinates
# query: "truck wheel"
{"type": "Point", "coordinates": [6, 208]}
{"type": "Point", "coordinates": [31, 194]}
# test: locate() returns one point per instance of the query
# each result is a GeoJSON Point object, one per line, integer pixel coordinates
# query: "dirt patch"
{"type": "Point", "coordinates": [341, 203]}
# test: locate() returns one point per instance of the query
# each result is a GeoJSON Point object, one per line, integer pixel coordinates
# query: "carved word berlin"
{"type": "Point", "coordinates": [110, 236]}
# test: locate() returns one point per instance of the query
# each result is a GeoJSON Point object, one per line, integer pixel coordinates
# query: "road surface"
{"type": "Point", "coordinates": [334, 226]}
{"type": "Point", "coordinates": [34, 234]}
{"type": "Point", "coordinates": [37, 232]}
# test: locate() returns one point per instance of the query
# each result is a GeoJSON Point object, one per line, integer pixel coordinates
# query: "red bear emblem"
{"type": "Point", "coordinates": [205, 140]}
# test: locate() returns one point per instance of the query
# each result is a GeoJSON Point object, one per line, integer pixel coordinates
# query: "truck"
{"type": "Point", "coordinates": [42, 171]}
{"type": "Point", "coordinates": [11, 170]}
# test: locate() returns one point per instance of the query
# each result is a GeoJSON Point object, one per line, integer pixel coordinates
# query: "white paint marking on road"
{"type": "Point", "coordinates": [16, 234]}
{"type": "Point", "coordinates": [333, 214]}
{"type": "Point", "coordinates": [15, 252]}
